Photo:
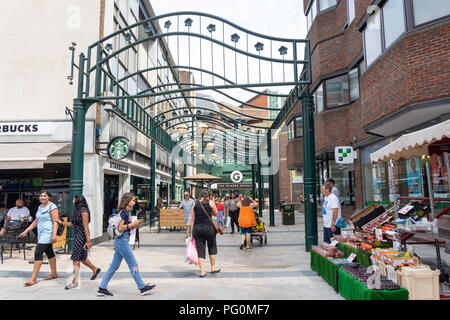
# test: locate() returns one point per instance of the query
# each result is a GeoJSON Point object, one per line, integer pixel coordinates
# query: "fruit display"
{"type": "Point", "coordinates": [369, 217]}
{"type": "Point", "coordinates": [321, 251]}
{"type": "Point", "coordinates": [360, 273]}
{"type": "Point", "coordinates": [401, 259]}
{"type": "Point", "coordinates": [328, 247]}
{"type": "Point", "coordinates": [342, 262]}
{"type": "Point", "coordinates": [326, 250]}
{"type": "Point", "coordinates": [417, 212]}
{"type": "Point", "coordinates": [377, 222]}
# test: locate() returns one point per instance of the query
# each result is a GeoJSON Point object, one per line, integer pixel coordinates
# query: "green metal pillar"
{"type": "Point", "coordinates": [253, 181]}
{"type": "Point", "coordinates": [185, 174]}
{"type": "Point", "coordinates": [260, 185]}
{"type": "Point", "coordinates": [309, 171]}
{"type": "Point", "coordinates": [173, 181]}
{"type": "Point", "coordinates": [80, 107]}
{"type": "Point", "coordinates": [270, 168]}
{"type": "Point", "coordinates": [152, 182]}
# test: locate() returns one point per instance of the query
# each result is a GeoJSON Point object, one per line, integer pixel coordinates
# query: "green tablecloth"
{"type": "Point", "coordinates": [362, 258]}
{"type": "Point", "coordinates": [325, 268]}
{"type": "Point", "coordinates": [353, 289]}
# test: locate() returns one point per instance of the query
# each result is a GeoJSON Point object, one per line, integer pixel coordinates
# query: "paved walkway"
{"type": "Point", "coordinates": [279, 270]}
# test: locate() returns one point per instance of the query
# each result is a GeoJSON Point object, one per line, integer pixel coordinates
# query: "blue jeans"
{"type": "Point", "coordinates": [122, 250]}
{"type": "Point", "coordinates": [328, 234]}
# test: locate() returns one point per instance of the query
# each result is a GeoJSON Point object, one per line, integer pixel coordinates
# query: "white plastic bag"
{"type": "Point", "coordinates": [228, 223]}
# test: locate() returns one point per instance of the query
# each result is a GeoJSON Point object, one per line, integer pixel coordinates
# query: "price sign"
{"type": "Point", "coordinates": [351, 257]}
{"type": "Point", "coordinates": [405, 209]}
{"type": "Point", "coordinates": [334, 243]}
{"type": "Point", "coordinates": [379, 234]}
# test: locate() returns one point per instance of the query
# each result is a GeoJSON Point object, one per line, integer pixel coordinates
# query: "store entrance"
{"type": "Point", "coordinates": [111, 197]}
{"type": "Point", "coordinates": [164, 193]}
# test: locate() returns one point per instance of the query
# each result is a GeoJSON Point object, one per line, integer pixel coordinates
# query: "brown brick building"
{"type": "Point", "coordinates": [380, 69]}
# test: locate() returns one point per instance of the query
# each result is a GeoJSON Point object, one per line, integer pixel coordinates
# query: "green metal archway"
{"type": "Point", "coordinates": [248, 63]}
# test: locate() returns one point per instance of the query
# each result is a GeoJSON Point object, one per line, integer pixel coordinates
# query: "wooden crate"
{"type": "Point", "coordinates": [171, 218]}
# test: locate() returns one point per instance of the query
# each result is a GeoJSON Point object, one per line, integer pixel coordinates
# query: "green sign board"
{"type": "Point", "coordinates": [118, 148]}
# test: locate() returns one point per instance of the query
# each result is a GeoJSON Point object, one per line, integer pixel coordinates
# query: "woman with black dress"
{"type": "Point", "coordinates": [81, 242]}
{"type": "Point", "coordinates": [204, 231]}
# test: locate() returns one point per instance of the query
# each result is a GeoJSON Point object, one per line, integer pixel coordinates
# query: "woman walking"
{"type": "Point", "coordinates": [82, 241]}
{"type": "Point", "coordinates": [204, 232]}
{"type": "Point", "coordinates": [220, 210]}
{"type": "Point", "coordinates": [247, 220]}
{"type": "Point", "coordinates": [123, 250]}
{"type": "Point", "coordinates": [47, 224]}
{"type": "Point", "coordinates": [233, 212]}
{"type": "Point", "coordinates": [226, 209]}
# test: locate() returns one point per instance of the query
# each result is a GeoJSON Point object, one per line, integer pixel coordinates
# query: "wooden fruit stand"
{"type": "Point", "coordinates": [171, 218]}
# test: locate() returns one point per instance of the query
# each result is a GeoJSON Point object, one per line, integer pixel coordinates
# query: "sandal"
{"type": "Point", "coordinates": [30, 283]}
{"type": "Point", "coordinates": [242, 246]}
{"type": "Point", "coordinates": [216, 271]}
{"type": "Point", "coordinates": [51, 277]}
{"type": "Point", "coordinates": [250, 247]}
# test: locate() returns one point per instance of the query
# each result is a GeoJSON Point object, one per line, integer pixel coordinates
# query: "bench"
{"type": "Point", "coordinates": [171, 218]}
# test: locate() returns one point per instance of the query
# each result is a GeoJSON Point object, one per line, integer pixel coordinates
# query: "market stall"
{"type": "Point", "coordinates": [376, 259]}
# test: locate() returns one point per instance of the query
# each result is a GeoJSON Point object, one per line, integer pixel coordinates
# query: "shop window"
{"type": "Point", "coordinates": [350, 11]}
{"type": "Point", "coordinates": [440, 175]}
{"type": "Point", "coordinates": [325, 4]}
{"type": "Point", "coordinates": [318, 99]}
{"type": "Point", "coordinates": [425, 11]}
{"type": "Point", "coordinates": [354, 84]}
{"type": "Point", "coordinates": [337, 91]}
{"type": "Point", "coordinates": [298, 127]}
{"type": "Point", "coordinates": [393, 21]}
{"type": "Point", "coordinates": [372, 38]}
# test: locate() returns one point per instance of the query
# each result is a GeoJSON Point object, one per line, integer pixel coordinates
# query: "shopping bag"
{"type": "Point", "coordinates": [192, 251]}
{"type": "Point", "coordinates": [228, 223]}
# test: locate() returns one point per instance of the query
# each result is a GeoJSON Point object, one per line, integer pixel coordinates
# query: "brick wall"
{"type": "Point", "coordinates": [416, 69]}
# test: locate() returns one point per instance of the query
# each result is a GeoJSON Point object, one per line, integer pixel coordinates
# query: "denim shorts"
{"type": "Point", "coordinates": [246, 230]}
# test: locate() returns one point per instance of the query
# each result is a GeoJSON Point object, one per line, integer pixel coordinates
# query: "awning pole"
{"type": "Point", "coordinates": [447, 164]}
{"type": "Point", "coordinates": [430, 189]}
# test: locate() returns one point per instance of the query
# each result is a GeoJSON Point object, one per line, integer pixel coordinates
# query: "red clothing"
{"type": "Point", "coordinates": [219, 206]}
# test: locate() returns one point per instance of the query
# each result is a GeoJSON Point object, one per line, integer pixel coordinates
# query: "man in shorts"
{"type": "Point", "coordinates": [186, 205]}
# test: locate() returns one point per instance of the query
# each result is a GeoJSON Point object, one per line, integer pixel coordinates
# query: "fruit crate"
{"type": "Point", "coordinates": [421, 282]}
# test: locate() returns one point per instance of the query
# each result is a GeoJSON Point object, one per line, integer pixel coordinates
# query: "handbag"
{"type": "Point", "coordinates": [191, 251]}
{"type": "Point", "coordinates": [340, 223]}
{"type": "Point", "coordinates": [218, 229]}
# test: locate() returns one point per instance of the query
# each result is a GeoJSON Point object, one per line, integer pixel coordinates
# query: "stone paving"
{"type": "Point", "coordinates": [279, 270]}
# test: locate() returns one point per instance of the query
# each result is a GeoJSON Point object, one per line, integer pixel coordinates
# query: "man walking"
{"type": "Point", "coordinates": [186, 205]}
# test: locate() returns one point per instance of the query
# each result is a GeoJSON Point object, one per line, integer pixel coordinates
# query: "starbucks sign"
{"type": "Point", "coordinates": [118, 148]}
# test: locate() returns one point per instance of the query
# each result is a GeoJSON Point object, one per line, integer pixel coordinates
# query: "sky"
{"type": "Point", "coordinates": [278, 18]}
{"type": "Point", "coordinates": [282, 18]}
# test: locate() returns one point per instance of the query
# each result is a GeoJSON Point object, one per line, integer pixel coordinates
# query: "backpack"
{"type": "Point", "coordinates": [113, 226]}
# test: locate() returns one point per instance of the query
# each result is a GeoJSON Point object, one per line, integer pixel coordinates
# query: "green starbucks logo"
{"type": "Point", "coordinates": [118, 148]}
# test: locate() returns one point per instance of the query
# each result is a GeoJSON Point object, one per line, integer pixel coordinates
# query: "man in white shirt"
{"type": "Point", "coordinates": [16, 213]}
{"type": "Point", "coordinates": [331, 213]}
{"type": "Point", "coordinates": [334, 189]}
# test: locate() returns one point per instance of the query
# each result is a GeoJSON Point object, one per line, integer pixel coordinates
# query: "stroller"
{"type": "Point", "coordinates": [259, 231]}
